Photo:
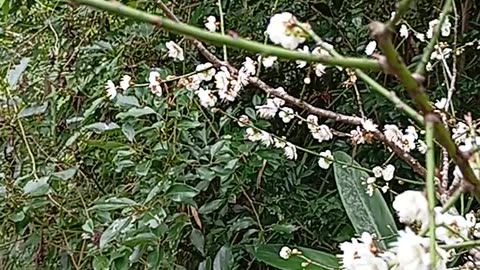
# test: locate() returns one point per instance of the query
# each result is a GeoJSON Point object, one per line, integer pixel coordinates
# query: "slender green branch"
{"type": "Point", "coordinates": [431, 185]}
{"type": "Point", "coordinates": [436, 34]}
{"type": "Point", "coordinates": [234, 42]}
{"type": "Point", "coordinates": [452, 200]}
{"type": "Point", "coordinates": [403, 7]}
{"type": "Point", "coordinates": [222, 28]}
{"type": "Point", "coordinates": [416, 91]}
{"type": "Point", "coordinates": [466, 244]}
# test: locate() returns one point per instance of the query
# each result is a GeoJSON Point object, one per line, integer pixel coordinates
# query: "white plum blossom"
{"type": "Point", "coordinates": [211, 23]}
{"type": "Point", "coordinates": [440, 53]}
{"type": "Point", "coordinates": [361, 255]}
{"type": "Point", "coordinates": [421, 147]}
{"type": "Point", "coordinates": [268, 61]}
{"type": "Point", "coordinates": [279, 143]}
{"type": "Point", "coordinates": [253, 135]}
{"type": "Point", "coordinates": [440, 104]}
{"type": "Point", "coordinates": [206, 72]}
{"type": "Point", "coordinates": [267, 138]}
{"type": "Point", "coordinates": [282, 30]}
{"type": "Point", "coordinates": [457, 231]}
{"type": "Point", "coordinates": [470, 144]}
{"type": "Point", "coordinates": [444, 29]}
{"type": "Point", "coordinates": [408, 142]}
{"type": "Point", "coordinates": [125, 82]}
{"type": "Point", "coordinates": [413, 252]}
{"type": "Point", "coordinates": [111, 89]}
{"type": "Point", "coordinates": [411, 206]}
{"type": "Point", "coordinates": [429, 67]}
{"type": "Point", "coordinates": [368, 125]}
{"type": "Point", "coordinates": [320, 69]}
{"type": "Point", "coordinates": [285, 253]}
{"type": "Point", "coordinates": [290, 151]}
{"type": "Point", "coordinates": [312, 121]}
{"type": "Point", "coordinates": [420, 37]}
{"type": "Point", "coordinates": [301, 63]}
{"type": "Point", "coordinates": [370, 48]}
{"type": "Point", "coordinates": [174, 51]}
{"type": "Point", "coordinates": [357, 136]}
{"type": "Point", "coordinates": [392, 133]}
{"type": "Point", "coordinates": [460, 132]}
{"type": "Point", "coordinates": [377, 171]}
{"type": "Point", "coordinates": [325, 160]}
{"type": "Point", "coordinates": [207, 98]}
{"type": "Point", "coordinates": [154, 83]}
{"type": "Point", "coordinates": [307, 80]}
{"type": "Point", "coordinates": [270, 109]}
{"type": "Point", "coordinates": [249, 65]}
{"type": "Point", "coordinates": [388, 172]}
{"type": "Point", "coordinates": [244, 121]}
{"type": "Point", "coordinates": [321, 133]}
{"type": "Point", "coordinates": [385, 188]}
{"type": "Point", "coordinates": [403, 31]}
{"type": "Point", "coordinates": [286, 114]}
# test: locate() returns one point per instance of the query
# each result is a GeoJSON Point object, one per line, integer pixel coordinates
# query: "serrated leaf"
{"type": "Point", "coordinates": [100, 127]}
{"type": "Point", "coordinates": [198, 240]}
{"type": "Point", "coordinates": [33, 110]}
{"type": "Point", "coordinates": [223, 259]}
{"type": "Point", "coordinates": [367, 214]}
{"type": "Point", "coordinates": [211, 206]}
{"type": "Point", "coordinates": [15, 74]}
{"type": "Point", "coordinates": [136, 112]}
{"type": "Point", "coordinates": [269, 254]}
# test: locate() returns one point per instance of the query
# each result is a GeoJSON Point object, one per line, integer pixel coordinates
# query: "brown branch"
{"type": "Point", "coordinates": [353, 120]}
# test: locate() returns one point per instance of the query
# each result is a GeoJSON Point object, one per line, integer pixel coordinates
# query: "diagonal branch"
{"type": "Point", "coordinates": [219, 39]}
{"type": "Point", "coordinates": [414, 87]}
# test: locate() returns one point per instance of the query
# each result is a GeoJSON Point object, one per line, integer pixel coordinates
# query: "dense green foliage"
{"type": "Point", "coordinates": [86, 182]}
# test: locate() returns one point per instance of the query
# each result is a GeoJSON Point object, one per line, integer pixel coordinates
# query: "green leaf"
{"type": "Point", "coordinates": [95, 104]}
{"type": "Point", "coordinates": [100, 127]}
{"type": "Point", "coordinates": [136, 112]}
{"type": "Point", "coordinates": [126, 101]}
{"type": "Point", "coordinates": [15, 74]}
{"type": "Point", "coordinates": [269, 254]}
{"type": "Point", "coordinates": [128, 131]}
{"type": "Point", "coordinates": [88, 226]}
{"type": "Point", "coordinates": [66, 174]}
{"type": "Point", "coordinates": [211, 206]}
{"type": "Point", "coordinates": [223, 259]}
{"type": "Point", "coordinates": [367, 214]}
{"type": "Point", "coordinates": [143, 168]}
{"type": "Point", "coordinates": [179, 192]}
{"type": "Point", "coordinates": [33, 110]}
{"type": "Point", "coordinates": [112, 231]}
{"type": "Point", "coordinates": [113, 204]}
{"type": "Point", "coordinates": [284, 228]}
{"type": "Point", "coordinates": [205, 265]}
{"type": "Point", "coordinates": [216, 148]}
{"type": "Point", "coordinates": [100, 262]}
{"type": "Point", "coordinates": [198, 240]}
{"type": "Point", "coordinates": [37, 187]}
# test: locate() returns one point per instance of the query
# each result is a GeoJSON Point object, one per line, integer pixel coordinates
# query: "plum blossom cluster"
{"type": "Point", "coordinates": [385, 173]}
{"type": "Point", "coordinates": [407, 140]}
{"type": "Point", "coordinates": [411, 250]}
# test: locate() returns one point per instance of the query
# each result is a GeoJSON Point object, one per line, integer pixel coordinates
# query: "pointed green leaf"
{"type": "Point", "coordinates": [223, 259]}
{"type": "Point", "coordinates": [198, 240]}
{"type": "Point", "coordinates": [367, 214]}
{"type": "Point", "coordinates": [15, 74]}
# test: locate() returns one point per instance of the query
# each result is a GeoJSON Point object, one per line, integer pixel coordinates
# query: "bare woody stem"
{"type": "Point", "coordinates": [383, 36]}
{"type": "Point", "coordinates": [219, 39]}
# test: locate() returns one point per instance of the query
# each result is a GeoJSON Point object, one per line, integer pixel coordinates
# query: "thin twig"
{"type": "Point", "coordinates": [430, 179]}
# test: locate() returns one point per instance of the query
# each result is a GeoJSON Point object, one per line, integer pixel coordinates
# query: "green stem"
{"type": "Point", "coordinates": [431, 187]}
{"type": "Point", "coordinates": [234, 42]}
{"type": "Point", "coordinates": [222, 29]}
{"type": "Point", "coordinates": [436, 34]}
{"type": "Point", "coordinates": [466, 244]}
{"type": "Point", "coordinates": [403, 7]}
{"type": "Point", "coordinates": [417, 92]}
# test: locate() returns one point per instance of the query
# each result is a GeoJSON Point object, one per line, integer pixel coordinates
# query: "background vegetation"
{"type": "Point", "coordinates": [162, 183]}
